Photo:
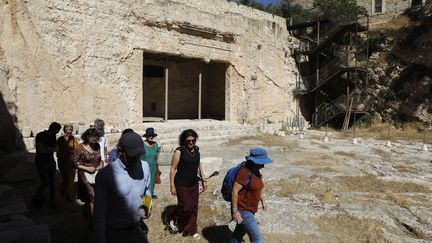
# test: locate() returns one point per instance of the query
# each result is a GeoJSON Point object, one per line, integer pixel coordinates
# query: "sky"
{"type": "Point", "coordinates": [267, 1]}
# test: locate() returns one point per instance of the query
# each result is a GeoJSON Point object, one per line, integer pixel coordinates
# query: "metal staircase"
{"type": "Point", "coordinates": [333, 72]}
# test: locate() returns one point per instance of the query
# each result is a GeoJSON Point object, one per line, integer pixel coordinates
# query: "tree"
{"type": "Point", "coordinates": [337, 9]}
{"type": "Point", "coordinates": [252, 3]}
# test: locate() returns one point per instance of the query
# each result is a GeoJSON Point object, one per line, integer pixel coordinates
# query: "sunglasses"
{"type": "Point", "coordinates": [191, 140]}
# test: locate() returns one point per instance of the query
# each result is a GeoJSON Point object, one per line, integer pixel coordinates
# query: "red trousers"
{"type": "Point", "coordinates": [186, 212]}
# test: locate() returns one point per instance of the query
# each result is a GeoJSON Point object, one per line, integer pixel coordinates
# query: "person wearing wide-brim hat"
{"type": "Point", "coordinates": [247, 194]}
{"type": "Point", "coordinates": [151, 155]}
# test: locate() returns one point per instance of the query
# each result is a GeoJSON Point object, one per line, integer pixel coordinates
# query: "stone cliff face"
{"type": "Point", "coordinates": [400, 85]}
{"type": "Point", "coordinates": [77, 60]}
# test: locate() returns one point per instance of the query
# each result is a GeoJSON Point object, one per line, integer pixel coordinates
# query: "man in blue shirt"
{"type": "Point", "coordinates": [119, 190]}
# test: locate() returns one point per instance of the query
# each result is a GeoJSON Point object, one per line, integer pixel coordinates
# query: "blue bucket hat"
{"type": "Point", "coordinates": [259, 156]}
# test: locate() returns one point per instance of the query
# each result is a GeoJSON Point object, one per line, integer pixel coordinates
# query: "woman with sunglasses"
{"type": "Point", "coordinates": [185, 166]}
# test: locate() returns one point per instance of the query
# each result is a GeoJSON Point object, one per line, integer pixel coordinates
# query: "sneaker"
{"type": "Point", "coordinates": [173, 227]}
{"type": "Point", "coordinates": [154, 197]}
{"type": "Point", "coordinates": [196, 236]}
{"type": "Point", "coordinates": [79, 202]}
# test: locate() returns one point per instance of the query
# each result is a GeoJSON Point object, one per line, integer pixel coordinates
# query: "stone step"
{"type": "Point", "coordinates": [168, 132]}
{"type": "Point", "coordinates": [180, 125]}
{"type": "Point", "coordinates": [170, 144]}
{"type": "Point", "coordinates": [210, 130]}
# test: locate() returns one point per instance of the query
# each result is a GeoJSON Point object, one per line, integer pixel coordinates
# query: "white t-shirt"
{"type": "Point", "coordinates": [103, 143]}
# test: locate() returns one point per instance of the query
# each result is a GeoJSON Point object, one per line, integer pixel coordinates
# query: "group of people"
{"type": "Point", "coordinates": [112, 187]}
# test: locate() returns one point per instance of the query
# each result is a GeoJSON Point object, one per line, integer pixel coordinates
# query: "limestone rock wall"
{"type": "Point", "coordinates": [73, 61]}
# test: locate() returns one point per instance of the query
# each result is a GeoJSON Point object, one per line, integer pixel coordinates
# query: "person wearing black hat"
{"type": "Point", "coordinates": [120, 187]}
{"type": "Point", "coordinates": [151, 155]}
{"type": "Point", "coordinates": [246, 196]}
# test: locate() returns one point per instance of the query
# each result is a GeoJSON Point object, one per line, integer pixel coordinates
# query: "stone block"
{"type": "Point", "coordinates": [108, 129]}
{"type": "Point", "coordinates": [37, 234]}
{"type": "Point", "coordinates": [26, 132]}
{"type": "Point", "coordinates": [15, 222]}
{"type": "Point", "coordinates": [7, 192]}
{"type": "Point", "coordinates": [29, 143]}
{"type": "Point", "coordinates": [33, 234]}
{"type": "Point", "coordinates": [81, 128]}
{"type": "Point", "coordinates": [18, 167]}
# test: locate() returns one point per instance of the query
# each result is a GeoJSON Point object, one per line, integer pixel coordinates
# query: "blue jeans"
{"type": "Point", "coordinates": [249, 226]}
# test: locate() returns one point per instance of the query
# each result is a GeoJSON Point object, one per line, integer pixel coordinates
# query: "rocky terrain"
{"type": "Point", "coordinates": [400, 73]}
{"type": "Point", "coordinates": [317, 191]}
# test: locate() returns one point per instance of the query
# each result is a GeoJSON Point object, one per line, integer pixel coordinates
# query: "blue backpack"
{"type": "Point", "coordinates": [229, 180]}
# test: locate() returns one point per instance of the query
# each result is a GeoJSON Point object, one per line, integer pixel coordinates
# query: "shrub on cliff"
{"type": "Point", "coordinates": [338, 9]}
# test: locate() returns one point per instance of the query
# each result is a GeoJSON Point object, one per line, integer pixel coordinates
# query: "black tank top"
{"type": "Point", "coordinates": [187, 167]}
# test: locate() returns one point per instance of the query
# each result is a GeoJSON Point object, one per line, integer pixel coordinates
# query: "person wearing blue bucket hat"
{"type": "Point", "coordinates": [246, 196]}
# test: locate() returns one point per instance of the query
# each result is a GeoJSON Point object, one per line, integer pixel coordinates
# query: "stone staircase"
{"type": "Point", "coordinates": [208, 130]}
{"type": "Point", "coordinates": [168, 133]}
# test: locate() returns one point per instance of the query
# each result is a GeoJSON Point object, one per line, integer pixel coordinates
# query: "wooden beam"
{"type": "Point", "coordinates": [166, 93]}
{"type": "Point", "coordinates": [199, 94]}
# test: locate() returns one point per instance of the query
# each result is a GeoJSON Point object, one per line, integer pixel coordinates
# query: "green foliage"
{"type": "Point", "coordinates": [288, 9]}
{"type": "Point", "coordinates": [366, 120]}
{"type": "Point", "coordinates": [292, 10]}
{"type": "Point", "coordinates": [296, 92]}
{"type": "Point", "coordinates": [338, 9]}
{"type": "Point", "coordinates": [252, 3]}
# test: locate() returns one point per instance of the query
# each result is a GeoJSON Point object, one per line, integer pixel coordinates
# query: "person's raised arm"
{"type": "Point", "coordinates": [174, 163]}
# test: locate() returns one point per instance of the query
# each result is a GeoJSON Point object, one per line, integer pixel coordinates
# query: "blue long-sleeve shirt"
{"type": "Point", "coordinates": [118, 196]}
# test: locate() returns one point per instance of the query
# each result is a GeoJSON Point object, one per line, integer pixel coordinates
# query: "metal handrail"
{"type": "Point", "coordinates": [331, 28]}
{"type": "Point", "coordinates": [325, 72]}
{"type": "Point", "coordinates": [328, 110]}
